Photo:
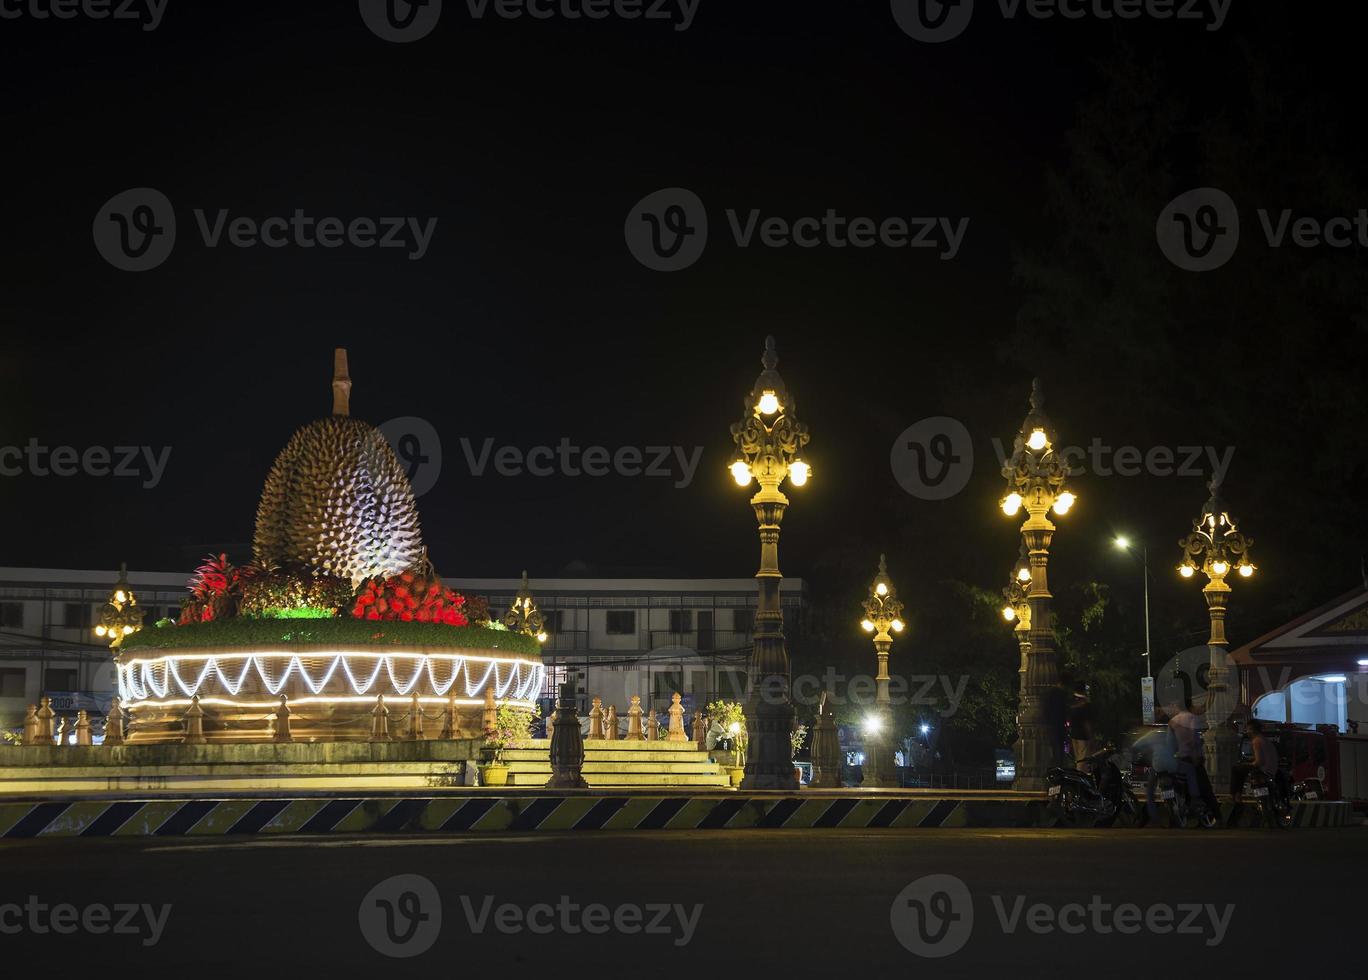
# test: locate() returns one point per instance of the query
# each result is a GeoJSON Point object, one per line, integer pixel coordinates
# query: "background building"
{"type": "Point", "coordinates": [614, 636]}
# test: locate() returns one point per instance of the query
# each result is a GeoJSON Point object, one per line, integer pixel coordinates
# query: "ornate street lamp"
{"type": "Point", "coordinates": [883, 612]}
{"type": "Point", "coordinates": [1215, 547]}
{"type": "Point", "coordinates": [1036, 478]}
{"type": "Point", "coordinates": [120, 618]}
{"type": "Point", "coordinates": [768, 440]}
{"type": "Point", "coordinates": [1017, 611]}
{"type": "Point", "coordinates": [523, 616]}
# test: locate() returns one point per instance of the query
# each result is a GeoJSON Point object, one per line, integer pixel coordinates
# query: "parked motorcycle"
{"type": "Point", "coordinates": [1095, 795]}
{"type": "Point", "coordinates": [1268, 795]}
{"type": "Point", "coordinates": [1171, 793]}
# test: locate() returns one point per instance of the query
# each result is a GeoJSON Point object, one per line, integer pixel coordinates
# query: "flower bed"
{"type": "Point", "coordinates": [247, 632]}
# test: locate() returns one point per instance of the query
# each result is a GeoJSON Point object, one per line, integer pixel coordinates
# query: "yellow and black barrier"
{"type": "Point", "coordinates": [494, 813]}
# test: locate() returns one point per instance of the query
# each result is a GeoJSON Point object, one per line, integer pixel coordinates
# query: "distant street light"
{"type": "Point", "coordinates": [1123, 543]}
{"type": "Point", "coordinates": [882, 613]}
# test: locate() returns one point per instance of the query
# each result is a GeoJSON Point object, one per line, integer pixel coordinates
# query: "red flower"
{"type": "Point", "coordinates": [406, 617]}
{"type": "Point", "coordinates": [372, 615]}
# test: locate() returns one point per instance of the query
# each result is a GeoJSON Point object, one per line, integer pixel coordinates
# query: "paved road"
{"type": "Point", "coordinates": [820, 903]}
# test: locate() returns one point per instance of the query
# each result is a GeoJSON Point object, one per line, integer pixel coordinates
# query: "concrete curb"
{"type": "Point", "coordinates": [459, 814]}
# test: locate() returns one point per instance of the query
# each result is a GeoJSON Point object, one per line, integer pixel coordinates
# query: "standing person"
{"type": "Point", "coordinates": [1186, 728]}
{"type": "Point", "coordinates": [1080, 722]}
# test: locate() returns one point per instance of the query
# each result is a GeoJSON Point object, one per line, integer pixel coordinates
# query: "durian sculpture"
{"type": "Point", "coordinates": [337, 500]}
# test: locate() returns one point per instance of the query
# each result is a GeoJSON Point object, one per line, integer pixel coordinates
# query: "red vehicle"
{"type": "Point", "coordinates": [1338, 762]}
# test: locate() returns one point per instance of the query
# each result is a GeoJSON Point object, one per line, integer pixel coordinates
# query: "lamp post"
{"type": "Point", "coordinates": [1215, 546]}
{"type": "Point", "coordinates": [523, 616]}
{"type": "Point", "coordinates": [1147, 682]}
{"type": "Point", "coordinates": [1018, 612]}
{"type": "Point", "coordinates": [883, 612]}
{"type": "Point", "coordinates": [1036, 476]}
{"type": "Point", "coordinates": [120, 617]}
{"type": "Point", "coordinates": [768, 441]}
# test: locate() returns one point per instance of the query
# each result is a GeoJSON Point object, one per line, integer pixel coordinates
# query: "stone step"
{"type": "Point", "coordinates": [605, 767]}
{"type": "Point", "coordinates": [619, 745]}
{"type": "Point", "coordinates": [627, 779]}
{"type": "Point", "coordinates": [609, 755]}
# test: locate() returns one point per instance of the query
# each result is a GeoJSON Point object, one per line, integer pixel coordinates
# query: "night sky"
{"type": "Point", "coordinates": [528, 320]}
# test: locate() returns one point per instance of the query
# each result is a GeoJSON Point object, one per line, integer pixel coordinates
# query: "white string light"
{"type": "Point", "coordinates": [146, 680]}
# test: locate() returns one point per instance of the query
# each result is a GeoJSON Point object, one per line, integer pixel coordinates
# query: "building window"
{"type": "Point", "coordinates": [553, 621]}
{"type": "Point", "coordinates": [60, 679]}
{"type": "Point", "coordinates": [743, 620]}
{"type": "Point", "coordinates": [77, 615]}
{"type": "Point", "coordinates": [12, 615]}
{"type": "Point", "coordinates": [620, 622]}
{"type": "Point", "coordinates": [12, 682]}
{"type": "Point", "coordinates": [681, 621]}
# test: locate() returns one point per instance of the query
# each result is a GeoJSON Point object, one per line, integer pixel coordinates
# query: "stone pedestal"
{"type": "Point", "coordinates": [567, 744]}
{"type": "Point", "coordinates": [826, 748]}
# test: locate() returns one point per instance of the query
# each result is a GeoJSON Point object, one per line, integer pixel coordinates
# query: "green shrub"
{"type": "Point", "coordinates": [248, 632]}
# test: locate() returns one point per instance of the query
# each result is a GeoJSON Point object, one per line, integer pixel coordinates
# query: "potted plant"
{"type": "Point", "coordinates": [731, 717]}
{"type": "Point", "coordinates": [796, 738]}
{"type": "Point", "coordinates": [510, 725]}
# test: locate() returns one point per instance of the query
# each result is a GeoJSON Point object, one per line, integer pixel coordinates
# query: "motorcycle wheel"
{"type": "Point", "coordinates": [1177, 814]}
{"type": "Point", "coordinates": [1065, 808]}
{"type": "Point", "coordinates": [1277, 815]}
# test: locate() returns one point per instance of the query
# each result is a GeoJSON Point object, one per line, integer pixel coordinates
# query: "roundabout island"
{"type": "Point", "coordinates": [338, 630]}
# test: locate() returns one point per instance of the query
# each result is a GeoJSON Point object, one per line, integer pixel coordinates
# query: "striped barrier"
{"type": "Point", "coordinates": [176, 818]}
{"type": "Point", "coordinates": [382, 815]}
